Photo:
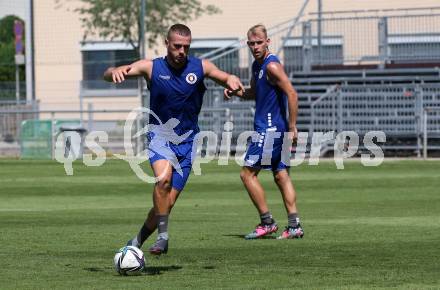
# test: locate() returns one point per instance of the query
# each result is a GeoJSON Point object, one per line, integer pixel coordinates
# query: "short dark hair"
{"type": "Point", "coordinates": [180, 29]}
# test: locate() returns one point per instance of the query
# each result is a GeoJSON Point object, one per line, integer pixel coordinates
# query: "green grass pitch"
{"type": "Point", "coordinates": [365, 227]}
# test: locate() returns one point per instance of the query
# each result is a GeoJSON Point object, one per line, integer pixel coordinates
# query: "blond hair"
{"type": "Point", "coordinates": [259, 27]}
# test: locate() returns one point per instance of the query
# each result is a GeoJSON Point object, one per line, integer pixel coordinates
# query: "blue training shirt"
{"type": "Point", "coordinates": [177, 94]}
{"type": "Point", "coordinates": [271, 102]}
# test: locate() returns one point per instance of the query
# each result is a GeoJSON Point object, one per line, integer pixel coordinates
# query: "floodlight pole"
{"type": "Point", "coordinates": [142, 30]}
{"type": "Point", "coordinates": [17, 84]}
{"type": "Point", "coordinates": [319, 32]}
{"type": "Point", "coordinates": [29, 47]}
{"type": "Point", "coordinates": [142, 55]}
{"type": "Point", "coordinates": [141, 45]}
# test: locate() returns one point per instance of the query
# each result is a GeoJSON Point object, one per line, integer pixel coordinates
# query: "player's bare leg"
{"type": "Point", "coordinates": [162, 188]}
{"type": "Point", "coordinates": [150, 223]}
{"type": "Point", "coordinates": [285, 185]}
{"type": "Point", "coordinates": [161, 200]}
{"type": "Point", "coordinates": [249, 176]}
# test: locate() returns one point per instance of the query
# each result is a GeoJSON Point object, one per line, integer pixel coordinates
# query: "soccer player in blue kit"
{"type": "Point", "coordinates": [274, 96]}
{"type": "Point", "coordinates": [176, 93]}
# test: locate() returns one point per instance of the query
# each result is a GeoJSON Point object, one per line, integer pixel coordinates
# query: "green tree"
{"type": "Point", "coordinates": [119, 19]}
{"type": "Point", "coordinates": [7, 50]}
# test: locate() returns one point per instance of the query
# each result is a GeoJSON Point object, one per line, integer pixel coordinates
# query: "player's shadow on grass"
{"type": "Point", "coordinates": [159, 270]}
{"type": "Point", "coordinates": [94, 269]}
{"type": "Point", "coordinates": [146, 271]}
{"type": "Point", "coordinates": [242, 237]}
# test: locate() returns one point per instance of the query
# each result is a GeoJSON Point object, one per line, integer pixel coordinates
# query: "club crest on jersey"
{"type": "Point", "coordinates": [191, 78]}
{"type": "Point", "coordinates": [260, 75]}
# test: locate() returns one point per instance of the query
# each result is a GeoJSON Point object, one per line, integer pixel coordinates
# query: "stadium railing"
{"type": "Point", "coordinates": [400, 111]}
{"type": "Point", "coordinates": [112, 122]}
{"type": "Point", "coordinates": [431, 129]}
{"type": "Point", "coordinates": [389, 39]}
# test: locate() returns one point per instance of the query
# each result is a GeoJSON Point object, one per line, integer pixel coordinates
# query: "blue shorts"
{"type": "Point", "coordinates": [180, 157]}
{"type": "Point", "coordinates": [262, 155]}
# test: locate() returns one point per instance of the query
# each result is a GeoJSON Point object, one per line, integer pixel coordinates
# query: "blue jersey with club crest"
{"type": "Point", "coordinates": [270, 100]}
{"type": "Point", "coordinates": [177, 93]}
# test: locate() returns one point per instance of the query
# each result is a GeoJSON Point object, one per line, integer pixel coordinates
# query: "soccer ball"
{"type": "Point", "coordinates": [129, 260]}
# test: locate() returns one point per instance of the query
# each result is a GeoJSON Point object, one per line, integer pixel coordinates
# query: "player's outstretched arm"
{"type": "Point", "coordinates": [278, 76]}
{"type": "Point", "coordinates": [230, 82]}
{"type": "Point", "coordinates": [118, 74]}
{"type": "Point", "coordinates": [248, 94]}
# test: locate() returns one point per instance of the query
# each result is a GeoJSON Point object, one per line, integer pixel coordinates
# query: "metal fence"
{"type": "Point", "coordinates": [113, 122]}
{"type": "Point", "coordinates": [431, 129]}
{"type": "Point", "coordinates": [375, 40]}
{"type": "Point", "coordinates": [9, 92]}
{"type": "Point", "coordinates": [331, 41]}
{"type": "Point", "coordinates": [397, 110]}
{"type": "Point", "coordinates": [240, 112]}
{"type": "Point", "coordinates": [337, 41]}
{"type": "Point", "coordinates": [236, 58]}
{"type": "Point", "coordinates": [107, 121]}
{"type": "Point", "coordinates": [10, 123]}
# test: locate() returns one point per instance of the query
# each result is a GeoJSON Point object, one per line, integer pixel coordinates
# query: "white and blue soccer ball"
{"type": "Point", "coordinates": [129, 260]}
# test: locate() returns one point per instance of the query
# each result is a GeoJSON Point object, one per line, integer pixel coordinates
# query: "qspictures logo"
{"type": "Point", "coordinates": [161, 135]}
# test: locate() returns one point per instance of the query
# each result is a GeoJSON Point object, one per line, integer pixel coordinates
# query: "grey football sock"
{"type": "Point", "coordinates": [293, 220]}
{"type": "Point", "coordinates": [266, 218]}
{"type": "Point", "coordinates": [163, 236]}
{"type": "Point", "coordinates": [162, 226]}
